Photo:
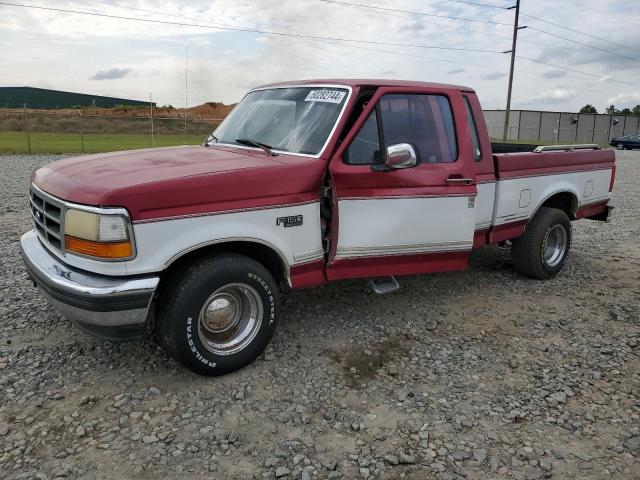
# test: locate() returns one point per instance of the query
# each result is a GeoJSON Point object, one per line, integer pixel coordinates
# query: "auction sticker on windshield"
{"type": "Point", "coordinates": [327, 96]}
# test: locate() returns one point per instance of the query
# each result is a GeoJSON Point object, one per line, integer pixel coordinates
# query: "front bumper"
{"type": "Point", "coordinates": [114, 308]}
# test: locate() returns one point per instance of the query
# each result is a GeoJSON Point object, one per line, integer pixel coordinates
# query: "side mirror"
{"type": "Point", "coordinates": [399, 156]}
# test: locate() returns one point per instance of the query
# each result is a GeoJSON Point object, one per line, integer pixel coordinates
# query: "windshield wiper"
{"type": "Point", "coordinates": [253, 143]}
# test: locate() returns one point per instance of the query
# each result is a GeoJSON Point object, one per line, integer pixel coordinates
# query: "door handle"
{"type": "Point", "coordinates": [464, 181]}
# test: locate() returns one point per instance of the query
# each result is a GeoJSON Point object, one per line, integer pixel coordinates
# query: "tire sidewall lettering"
{"type": "Point", "coordinates": [193, 347]}
{"type": "Point", "coordinates": [270, 297]}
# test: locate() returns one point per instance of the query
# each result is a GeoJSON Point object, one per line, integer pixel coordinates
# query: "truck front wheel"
{"type": "Point", "coordinates": [543, 248]}
{"type": "Point", "coordinates": [219, 315]}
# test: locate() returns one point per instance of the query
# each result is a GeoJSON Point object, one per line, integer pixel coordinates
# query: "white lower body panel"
{"type": "Point", "coordinates": [401, 226]}
{"type": "Point", "coordinates": [519, 198]}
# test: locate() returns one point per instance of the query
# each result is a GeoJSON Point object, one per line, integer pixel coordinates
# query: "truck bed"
{"type": "Point", "coordinates": [576, 181]}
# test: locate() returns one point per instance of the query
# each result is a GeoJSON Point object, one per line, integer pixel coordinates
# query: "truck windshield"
{"type": "Point", "coordinates": [294, 120]}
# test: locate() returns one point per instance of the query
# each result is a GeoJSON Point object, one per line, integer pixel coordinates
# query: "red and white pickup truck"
{"type": "Point", "coordinates": [304, 183]}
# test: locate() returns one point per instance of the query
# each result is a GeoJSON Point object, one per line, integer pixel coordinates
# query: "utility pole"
{"type": "Point", "coordinates": [507, 112]}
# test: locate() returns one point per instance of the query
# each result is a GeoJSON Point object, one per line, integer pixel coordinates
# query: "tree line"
{"type": "Point", "coordinates": [612, 110]}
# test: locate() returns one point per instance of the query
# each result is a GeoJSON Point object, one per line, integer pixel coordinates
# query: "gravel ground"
{"type": "Point", "coordinates": [482, 374]}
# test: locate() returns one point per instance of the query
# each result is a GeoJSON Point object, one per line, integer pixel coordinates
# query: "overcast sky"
{"type": "Point", "coordinates": [131, 58]}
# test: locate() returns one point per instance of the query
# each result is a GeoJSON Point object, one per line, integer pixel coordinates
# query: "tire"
{"type": "Point", "coordinates": [533, 253]}
{"type": "Point", "coordinates": [620, 146]}
{"type": "Point", "coordinates": [218, 315]}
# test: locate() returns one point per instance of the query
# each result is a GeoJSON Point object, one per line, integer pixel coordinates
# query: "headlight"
{"type": "Point", "coordinates": [97, 235]}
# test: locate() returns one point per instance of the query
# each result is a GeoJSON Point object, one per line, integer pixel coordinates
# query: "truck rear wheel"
{"type": "Point", "coordinates": [219, 314]}
{"type": "Point", "coordinates": [542, 251]}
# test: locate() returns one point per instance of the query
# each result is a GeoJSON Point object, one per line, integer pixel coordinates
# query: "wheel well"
{"type": "Point", "coordinates": [565, 201]}
{"type": "Point", "coordinates": [264, 254]}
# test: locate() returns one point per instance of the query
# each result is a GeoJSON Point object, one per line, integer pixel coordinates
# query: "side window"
{"type": "Point", "coordinates": [365, 147]}
{"type": "Point", "coordinates": [424, 121]}
{"type": "Point", "coordinates": [477, 150]}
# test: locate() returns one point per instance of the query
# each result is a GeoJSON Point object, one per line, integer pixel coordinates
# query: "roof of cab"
{"type": "Point", "coordinates": [375, 82]}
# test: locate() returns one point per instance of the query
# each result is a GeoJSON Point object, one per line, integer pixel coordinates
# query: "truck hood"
{"type": "Point", "coordinates": [175, 181]}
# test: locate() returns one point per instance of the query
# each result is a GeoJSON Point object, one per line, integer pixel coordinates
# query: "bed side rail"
{"type": "Point", "coordinates": [565, 148]}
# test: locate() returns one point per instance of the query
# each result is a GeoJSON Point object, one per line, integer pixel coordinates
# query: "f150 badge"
{"type": "Point", "coordinates": [292, 221]}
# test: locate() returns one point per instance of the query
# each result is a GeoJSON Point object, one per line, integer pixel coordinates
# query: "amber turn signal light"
{"type": "Point", "coordinates": [98, 249]}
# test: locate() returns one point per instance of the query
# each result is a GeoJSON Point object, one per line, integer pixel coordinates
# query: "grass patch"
{"type": "Point", "coordinates": [21, 142]}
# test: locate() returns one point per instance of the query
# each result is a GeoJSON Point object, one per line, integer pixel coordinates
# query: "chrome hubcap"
{"type": "Point", "coordinates": [230, 319]}
{"type": "Point", "coordinates": [554, 245]}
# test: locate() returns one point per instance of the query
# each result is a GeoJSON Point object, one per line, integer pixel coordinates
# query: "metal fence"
{"type": "Point", "coordinates": [82, 132]}
{"type": "Point", "coordinates": [561, 127]}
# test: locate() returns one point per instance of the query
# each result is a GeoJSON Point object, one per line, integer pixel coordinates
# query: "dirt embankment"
{"type": "Point", "coordinates": [127, 120]}
{"type": "Point", "coordinates": [208, 111]}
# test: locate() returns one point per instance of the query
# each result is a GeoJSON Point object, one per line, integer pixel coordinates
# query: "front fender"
{"type": "Point", "coordinates": [161, 242]}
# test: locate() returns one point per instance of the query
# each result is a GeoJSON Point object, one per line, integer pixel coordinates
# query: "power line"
{"type": "Point", "coordinates": [119, 5]}
{"type": "Point", "coordinates": [377, 50]}
{"type": "Point", "coordinates": [432, 22]}
{"type": "Point", "coordinates": [155, 12]}
{"type": "Point", "coordinates": [422, 57]}
{"type": "Point", "coordinates": [412, 12]}
{"type": "Point", "coordinates": [282, 34]}
{"type": "Point", "coordinates": [556, 24]}
{"type": "Point", "coordinates": [365, 8]}
{"type": "Point", "coordinates": [424, 14]}
{"type": "Point", "coordinates": [582, 43]}
{"type": "Point", "coordinates": [319, 40]}
{"type": "Point", "coordinates": [576, 71]}
{"type": "Point", "coordinates": [580, 32]}
{"type": "Point", "coordinates": [582, 5]}
{"type": "Point", "coordinates": [479, 4]}
{"type": "Point", "coordinates": [493, 68]}
{"type": "Point", "coordinates": [249, 30]}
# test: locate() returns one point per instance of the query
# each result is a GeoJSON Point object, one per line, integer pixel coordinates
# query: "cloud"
{"type": "Point", "coordinates": [493, 75]}
{"type": "Point", "coordinates": [555, 94]}
{"type": "Point", "coordinates": [629, 99]}
{"type": "Point", "coordinates": [111, 74]}
{"type": "Point", "coordinates": [554, 74]}
{"type": "Point", "coordinates": [416, 26]}
{"type": "Point", "coordinates": [456, 70]}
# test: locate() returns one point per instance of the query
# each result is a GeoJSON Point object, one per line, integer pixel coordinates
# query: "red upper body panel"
{"type": "Point", "coordinates": [171, 181]}
{"type": "Point", "coordinates": [510, 165]}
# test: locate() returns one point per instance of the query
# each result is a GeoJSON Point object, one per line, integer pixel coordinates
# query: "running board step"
{"type": "Point", "coordinates": [383, 285]}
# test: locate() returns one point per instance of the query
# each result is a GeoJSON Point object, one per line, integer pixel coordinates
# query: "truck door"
{"type": "Point", "coordinates": [416, 213]}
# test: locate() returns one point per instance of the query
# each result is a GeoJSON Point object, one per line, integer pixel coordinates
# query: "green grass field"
{"type": "Point", "coordinates": [40, 142]}
{"type": "Point", "coordinates": [20, 142]}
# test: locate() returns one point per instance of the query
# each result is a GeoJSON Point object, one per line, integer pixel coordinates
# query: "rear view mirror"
{"type": "Point", "coordinates": [399, 156]}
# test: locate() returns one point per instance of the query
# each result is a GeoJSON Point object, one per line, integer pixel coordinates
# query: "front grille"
{"type": "Point", "coordinates": [48, 218]}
